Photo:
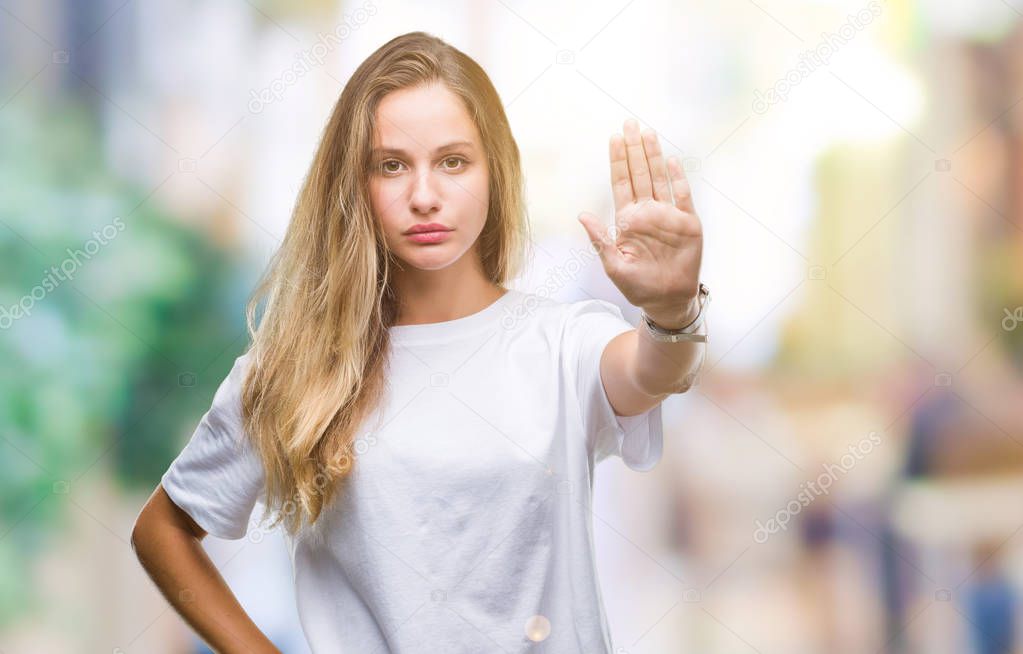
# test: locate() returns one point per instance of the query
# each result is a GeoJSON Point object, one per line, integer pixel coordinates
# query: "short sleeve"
{"type": "Point", "coordinates": [637, 440]}
{"type": "Point", "coordinates": [218, 476]}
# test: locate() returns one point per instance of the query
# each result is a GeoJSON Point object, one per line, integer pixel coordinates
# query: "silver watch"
{"type": "Point", "coordinates": [687, 333]}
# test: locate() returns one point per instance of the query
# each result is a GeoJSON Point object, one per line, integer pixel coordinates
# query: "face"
{"type": "Point", "coordinates": [429, 171]}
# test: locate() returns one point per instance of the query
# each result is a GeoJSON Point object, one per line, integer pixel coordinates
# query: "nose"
{"type": "Point", "coordinates": [424, 198]}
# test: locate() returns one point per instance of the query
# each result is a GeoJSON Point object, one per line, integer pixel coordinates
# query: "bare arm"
{"type": "Point", "coordinates": [167, 542]}
{"type": "Point", "coordinates": [639, 372]}
{"type": "Point", "coordinates": [653, 257]}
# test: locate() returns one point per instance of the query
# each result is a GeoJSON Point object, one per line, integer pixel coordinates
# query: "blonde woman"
{"type": "Point", "coordinates": [425, 435]}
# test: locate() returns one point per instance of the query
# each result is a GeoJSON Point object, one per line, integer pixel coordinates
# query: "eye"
{"type": "Point", "coordinates": [456, 159]}
{"type": "Point", "coordinates": [384, 166]}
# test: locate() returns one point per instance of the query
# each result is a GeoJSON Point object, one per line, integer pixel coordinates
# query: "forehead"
{"type": "Point", "coordinates": [424, 116]}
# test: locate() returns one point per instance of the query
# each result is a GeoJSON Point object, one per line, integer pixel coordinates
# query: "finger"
{"type": "Point", "coordinates": [655, 159]}
{"type": "Point", "coordinates": [621, 185]}
{"type": "Point", "coordinates": [604, 241]}
{"type": "Point", "coordinates": [680, 185]}
{"type": "Point", "coordinates": [639, 172]}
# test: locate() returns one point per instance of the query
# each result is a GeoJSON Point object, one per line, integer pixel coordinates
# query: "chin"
{"type": "Point", "coordinates": [429, 267]}
{"type": "Point", "coordinates": [439, 258]}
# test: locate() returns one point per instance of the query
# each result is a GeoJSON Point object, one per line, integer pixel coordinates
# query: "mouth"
{"type": "Point", "coordinates": [429, 227]}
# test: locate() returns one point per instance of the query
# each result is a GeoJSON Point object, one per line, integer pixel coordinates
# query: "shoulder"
{"type": "Point", "coordinates": [589, 325]}
{"type": "Point", "coordinates": [228, 397]}
{"type": "Point", "coordinates": [559, 312]}
{"type": "Point", "coordinates": [242, 363]}
{"type": "Point", "coordinates": [593, 307]}
{"type": "Point", "coordinates": [591, 314]}
{"type": "Point", "coordinates": [239, 369]}
{"type": "Point", "coordinates": [577, 327]}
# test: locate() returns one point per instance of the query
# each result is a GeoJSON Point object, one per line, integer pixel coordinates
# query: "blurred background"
{"type": "Point", "coordinates": [845, 477]}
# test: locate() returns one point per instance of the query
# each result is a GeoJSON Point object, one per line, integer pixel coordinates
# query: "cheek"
{"type": "Point", "coordinates": [382, 200]}
{"type": "Point", "coordinates": [473, 194]}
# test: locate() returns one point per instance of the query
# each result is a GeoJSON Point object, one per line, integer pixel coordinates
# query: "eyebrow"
{"type": "Point", "coordinates": [399, 151]}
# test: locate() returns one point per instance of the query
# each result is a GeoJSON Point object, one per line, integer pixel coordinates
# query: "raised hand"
{"type": "Point", "coordinates": [653, 255]}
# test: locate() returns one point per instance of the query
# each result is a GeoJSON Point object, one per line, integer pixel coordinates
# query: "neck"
{"type": "Point", "coordinates": [429, 296]}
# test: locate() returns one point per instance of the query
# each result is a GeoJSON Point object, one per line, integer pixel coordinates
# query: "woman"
{"type": "Point", "coordinates": [427, 436]}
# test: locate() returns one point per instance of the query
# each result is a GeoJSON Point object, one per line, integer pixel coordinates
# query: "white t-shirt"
{"type": "Point", "coordinates": [465, 524]}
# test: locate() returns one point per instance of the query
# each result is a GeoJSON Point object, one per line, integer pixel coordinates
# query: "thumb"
{"type": "Point", "coordinates": [599, 236]}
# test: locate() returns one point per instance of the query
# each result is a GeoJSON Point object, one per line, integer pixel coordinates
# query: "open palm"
{"type": "Point", "coordinates": [653, 255]}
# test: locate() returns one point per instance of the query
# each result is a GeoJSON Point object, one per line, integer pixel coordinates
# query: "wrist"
{"type": "Point", "coordinates": [674, 318]}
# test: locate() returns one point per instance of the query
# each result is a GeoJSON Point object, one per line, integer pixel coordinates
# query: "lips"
{"type": "Point", "coordinates": [429, 227]}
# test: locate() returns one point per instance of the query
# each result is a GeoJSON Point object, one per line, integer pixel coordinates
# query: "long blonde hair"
{"type": "Point", "coordinates": [317, 357]}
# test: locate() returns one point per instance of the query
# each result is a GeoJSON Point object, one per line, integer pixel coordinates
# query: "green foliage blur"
{"type": "Point", "coordinates": [109, 365]}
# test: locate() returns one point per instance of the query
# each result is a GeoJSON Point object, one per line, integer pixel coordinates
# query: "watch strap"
{"type": "Point", "coordinates": [686, 333]}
